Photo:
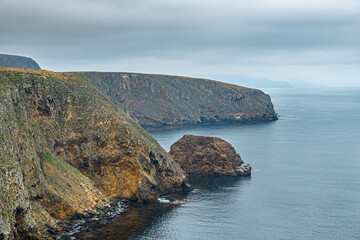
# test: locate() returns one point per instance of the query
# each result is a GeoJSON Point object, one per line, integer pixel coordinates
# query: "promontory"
{"type": "Point", "coordinates": [156, 101]}
{"type": "Point", "coordinates": [66, 149]}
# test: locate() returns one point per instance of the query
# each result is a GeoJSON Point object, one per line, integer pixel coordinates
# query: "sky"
{"type": "Point", "coordinates": [298, 41]}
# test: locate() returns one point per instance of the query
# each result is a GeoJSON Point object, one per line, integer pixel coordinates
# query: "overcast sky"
{"type": "Point", "coordinates": [315, 41]}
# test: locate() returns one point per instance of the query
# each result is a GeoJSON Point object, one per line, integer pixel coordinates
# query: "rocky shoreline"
{"type": "Point", "coordinates": [75, 223]}
{"type": "Point", "coordinates": [130, 213]}
{"type": "Point", "coordinates": [138, 217]}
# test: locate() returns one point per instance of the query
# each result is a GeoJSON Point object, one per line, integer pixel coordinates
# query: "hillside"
{"type": "Point", "coordinates": [170, 101]}
{"type": "Point", "coordinates": [17, 61]}
{"type": "Point", "coordinates": [66, 149]}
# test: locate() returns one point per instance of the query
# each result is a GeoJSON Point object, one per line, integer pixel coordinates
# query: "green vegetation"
{"type": "Point", "coordinates": [51, 123]}
{"type": "Point", "coordinates": [7, 214]}
{"type": "Point", "coordinates": [49, 158]}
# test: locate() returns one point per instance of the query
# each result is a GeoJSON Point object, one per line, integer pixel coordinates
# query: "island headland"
{"type": "Point", "coordinates": [158, 101]}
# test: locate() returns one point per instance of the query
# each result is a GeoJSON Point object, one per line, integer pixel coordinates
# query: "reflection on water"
{"type": "Point", "coordinates": [202, 213]}
{"type": "Point", "coordinates": [132, 223]}
{"type": "Point", "coordinates": [129, 223]}
{"type": "Point", "coordinates": [212, 183]}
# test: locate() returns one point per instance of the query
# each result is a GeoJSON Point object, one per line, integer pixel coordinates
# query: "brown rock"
{"type": "Point", "coordinates": [208, 156]}
{"type": "Point", "coordinates": [66, 149]}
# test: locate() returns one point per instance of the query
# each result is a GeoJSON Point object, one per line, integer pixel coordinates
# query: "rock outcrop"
{"type": "Point", "coordinates": [65, 149]}
{"type": "Point", "coordinates": [17, 61]}
{"type": "Point", "coordinates": [208, 156]}
{"type": "Point", "coordinates": [156, 101]}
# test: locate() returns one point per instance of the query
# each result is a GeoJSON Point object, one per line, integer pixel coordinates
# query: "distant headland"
{"type": "Point", "coordinates": [18, 61]}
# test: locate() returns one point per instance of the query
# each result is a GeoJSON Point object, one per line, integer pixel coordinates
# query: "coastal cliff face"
{"type": "Point", "coordinates": [17, 61]}
{"type": "Point", "coordinates": [66, 149]}
{"type": "Point", "coordinates": [208, 156]}
{"type": "Point", "coordinates": [156, 101]}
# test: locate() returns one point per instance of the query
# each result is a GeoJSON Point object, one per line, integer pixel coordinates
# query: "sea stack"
{"type": "Point", "coordinates": [199, 155]}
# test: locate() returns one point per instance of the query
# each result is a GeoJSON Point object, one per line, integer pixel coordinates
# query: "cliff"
{"type": "Point", "coordinates": [66, 149]}
{"type": "Point", "coordinates": [18, 61]}
{"type": "Point", "coordinates": [200, 155]}
{"type": "Point", "coordinates": [156, 101]}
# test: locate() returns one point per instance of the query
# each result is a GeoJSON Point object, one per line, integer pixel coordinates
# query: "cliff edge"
{"type": "Point", "coordinates": [156, 101]}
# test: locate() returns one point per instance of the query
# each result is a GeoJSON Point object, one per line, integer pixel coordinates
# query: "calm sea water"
{"type": "Point", "coordinates": [305, 182]}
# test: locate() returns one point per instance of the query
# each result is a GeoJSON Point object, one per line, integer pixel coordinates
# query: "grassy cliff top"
{"type": "Point", "coordinates": [168, 77]}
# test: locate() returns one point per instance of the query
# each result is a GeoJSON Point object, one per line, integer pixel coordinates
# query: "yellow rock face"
{"type": "Point", "coordinates": [66, 149]}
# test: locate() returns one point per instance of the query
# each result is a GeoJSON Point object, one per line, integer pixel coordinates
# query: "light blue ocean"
{"type": "Point", "coordinates": [305, 182]}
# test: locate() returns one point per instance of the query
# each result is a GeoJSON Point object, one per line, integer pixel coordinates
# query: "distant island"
{"type": "Point", "coordinates": [263, 83]}
{"type": "Point", "coordinates": [18, 61]}
{"type": "Point", "coordinates": [253, 82]}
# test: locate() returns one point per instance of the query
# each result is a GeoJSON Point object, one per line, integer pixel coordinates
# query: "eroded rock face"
{"type": "Point", "coordinates": [66, 149]}
{"type": "Point", "coordinates": [156, 101]}
{"type": "Point", "coordinates": [208, 156]}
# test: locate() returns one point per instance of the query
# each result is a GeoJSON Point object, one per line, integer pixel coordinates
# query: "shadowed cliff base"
{"type": "Point", "coordinates": [138, 221]}
{"type": "Point", "coordinates": [163, 101]}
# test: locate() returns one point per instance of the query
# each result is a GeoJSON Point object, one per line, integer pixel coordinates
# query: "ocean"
{"type": "Point", "coordinates": [305, 182]}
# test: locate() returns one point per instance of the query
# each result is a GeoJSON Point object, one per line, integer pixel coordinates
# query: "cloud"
{"type": "Point", "coordinates": [144, 35]}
